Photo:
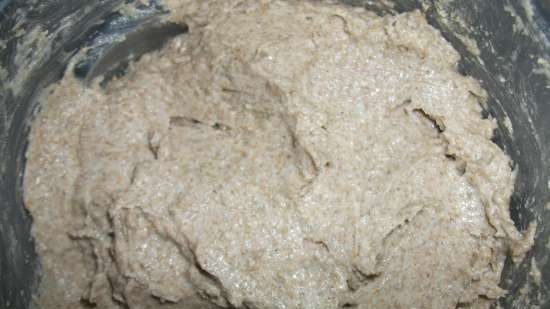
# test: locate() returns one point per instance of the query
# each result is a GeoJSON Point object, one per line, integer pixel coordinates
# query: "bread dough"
{"type": "Point", "coordinates": [282, 154]}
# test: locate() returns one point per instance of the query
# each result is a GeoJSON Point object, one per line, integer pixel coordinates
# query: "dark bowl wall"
{"type": "Point", "coordinates": [514, 54]}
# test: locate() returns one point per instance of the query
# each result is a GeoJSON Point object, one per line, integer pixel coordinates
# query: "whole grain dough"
{"type": "Point", "coordinates": [282, 154]}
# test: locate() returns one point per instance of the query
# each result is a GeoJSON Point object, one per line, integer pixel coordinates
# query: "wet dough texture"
{"type": "Point", "coordinates": [282, 154]}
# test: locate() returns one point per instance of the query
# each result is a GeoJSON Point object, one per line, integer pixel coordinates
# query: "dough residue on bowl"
{"type": "Point", "coordinates": [282, 154]}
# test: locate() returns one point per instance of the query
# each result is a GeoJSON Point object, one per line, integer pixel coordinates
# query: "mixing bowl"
{"type": "Point", "coordinates": [504, 44]}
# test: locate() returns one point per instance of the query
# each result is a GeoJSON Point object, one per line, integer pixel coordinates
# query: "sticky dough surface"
{"type": "Point", "coordinates": [282, 154]}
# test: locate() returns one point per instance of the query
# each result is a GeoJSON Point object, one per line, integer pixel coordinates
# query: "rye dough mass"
{"type": "Point", "coordinates": [282, 154]}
